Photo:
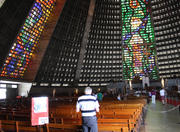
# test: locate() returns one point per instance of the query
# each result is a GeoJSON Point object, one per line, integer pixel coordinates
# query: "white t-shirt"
{"type": "Point", "coordinates": [162, 92]}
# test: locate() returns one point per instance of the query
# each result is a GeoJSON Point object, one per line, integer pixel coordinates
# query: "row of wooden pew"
{"type": "Point", "coordinates": [120, 116]}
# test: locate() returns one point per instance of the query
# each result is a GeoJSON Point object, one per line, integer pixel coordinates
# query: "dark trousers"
{"type": "Point", "coordinates": [89, 123]}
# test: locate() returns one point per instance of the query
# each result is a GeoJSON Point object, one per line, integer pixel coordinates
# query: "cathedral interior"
{"type": "Point", "coordinates": [63, 46]}
{"type": "Point", "coordinates": [77, 43]}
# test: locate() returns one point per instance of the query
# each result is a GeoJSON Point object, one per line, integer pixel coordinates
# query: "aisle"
{"type": "Point", "coordinates": [159, 120]}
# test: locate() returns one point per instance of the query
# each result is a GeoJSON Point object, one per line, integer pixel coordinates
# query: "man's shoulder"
{"type": "Point", "coordinates": [162, 90]}
{"type": "Point", "coordinates": [87, 97]}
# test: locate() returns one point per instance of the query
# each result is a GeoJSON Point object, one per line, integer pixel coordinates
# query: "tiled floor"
{"type": "Point", "coordinates": [161, 118]}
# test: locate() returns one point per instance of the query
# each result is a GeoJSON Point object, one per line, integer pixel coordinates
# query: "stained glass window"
{"type": "Point", "coordinates": [27, 39]}
{"type": "Point", "coordinates": [139, 52]}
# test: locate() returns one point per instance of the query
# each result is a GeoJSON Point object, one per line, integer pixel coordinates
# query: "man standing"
{"type": "Point", "coordinates": [99, 96]}
{"type": "Point", "coordinates": [162, 94]}
{"type": "Point", "coordinates": [88, 105]}
{"type": "Point", "coordinates": [153, 95]}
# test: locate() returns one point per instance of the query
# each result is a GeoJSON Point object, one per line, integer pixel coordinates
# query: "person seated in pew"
{"type": "Point", "coordinates": [88, 104]}
{"type": "Point", "coordinates": [119, 97]}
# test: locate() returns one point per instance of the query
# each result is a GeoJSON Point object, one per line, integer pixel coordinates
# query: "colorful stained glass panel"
{"type": "Point", "coordinates": [139, 52]}
{"type": "Point", "coordinates": [27, 39]}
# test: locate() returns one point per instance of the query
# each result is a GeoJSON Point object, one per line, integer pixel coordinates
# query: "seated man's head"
{"type": "Point", "coordinates": [88, 90]}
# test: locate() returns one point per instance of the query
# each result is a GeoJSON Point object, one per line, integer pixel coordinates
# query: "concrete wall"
{"type": "Point", "coordinates": [23, 89]}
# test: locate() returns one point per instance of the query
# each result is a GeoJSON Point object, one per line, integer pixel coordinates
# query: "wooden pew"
{"type": "Point", "coordinates": [64, 117]}
{"type": "Point", "coordinates": [10, 125]}
{"type": "Point", "coordinates": [120, 125]}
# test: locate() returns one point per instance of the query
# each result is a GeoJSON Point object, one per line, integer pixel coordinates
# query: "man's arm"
{"type": "Point", "coordinates": [97, 106]}
{"type": "Point", "coordinates": [97, 109]}
{"type": "Point", "coordinates": [77, 107]}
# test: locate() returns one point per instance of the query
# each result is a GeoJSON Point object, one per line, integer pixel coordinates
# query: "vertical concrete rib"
{"type": "Point", "coordinates": [85, 39]}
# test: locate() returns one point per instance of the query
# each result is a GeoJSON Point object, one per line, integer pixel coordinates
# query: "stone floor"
{"type": "Point", "coordinates": [161, 118]}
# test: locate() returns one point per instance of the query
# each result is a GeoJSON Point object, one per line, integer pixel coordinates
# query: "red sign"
{"type": "Point", "coordinates": [39, 111]}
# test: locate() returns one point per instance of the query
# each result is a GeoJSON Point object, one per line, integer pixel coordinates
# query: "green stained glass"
{"type": "Point", "coordinates": [139, 54]}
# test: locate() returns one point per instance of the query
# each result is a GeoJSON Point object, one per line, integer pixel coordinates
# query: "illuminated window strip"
{"type": "Point", "coordinates": [27, 39]}
{"type": "Point", "coordinates": [1, 2]}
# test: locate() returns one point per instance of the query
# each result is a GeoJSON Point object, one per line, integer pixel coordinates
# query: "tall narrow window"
{"type": "Point", "coordinates": [1, 2]}
{"type": "Point", "coordinates": [2, 93]}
